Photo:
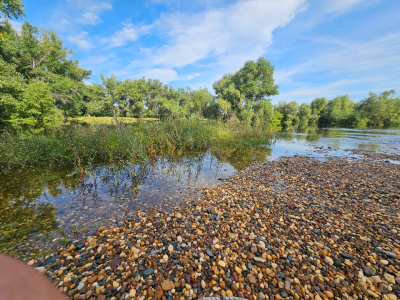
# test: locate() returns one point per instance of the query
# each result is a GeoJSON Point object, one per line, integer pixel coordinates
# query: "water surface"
{"type": "Point", "coordinates": [40, 208]}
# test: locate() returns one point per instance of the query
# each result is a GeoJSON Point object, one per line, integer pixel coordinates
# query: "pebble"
{"type": "Point", "coordinates": [326, 234]}
{"type": "Point", "coordinates": [167, 285]}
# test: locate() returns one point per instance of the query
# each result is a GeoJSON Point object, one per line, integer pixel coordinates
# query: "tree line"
{"type": "Point", "coordinates": [41, 86]}
{"type": "Point", "coordinates": [376, 111]}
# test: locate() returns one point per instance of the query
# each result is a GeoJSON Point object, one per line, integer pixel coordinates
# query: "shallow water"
{"type": "Point", "coordinates": [38, 207]}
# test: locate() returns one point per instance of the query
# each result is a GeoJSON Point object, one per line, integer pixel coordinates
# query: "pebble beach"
{"type": "Point", "coordinates": [294, 228]}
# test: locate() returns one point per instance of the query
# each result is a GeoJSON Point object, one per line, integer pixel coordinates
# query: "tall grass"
{"type": "Point", "coordinates": [135, 142]}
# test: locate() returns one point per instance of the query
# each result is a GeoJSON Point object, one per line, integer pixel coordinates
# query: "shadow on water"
{"type": "Point", "coordinates": [40, 209]}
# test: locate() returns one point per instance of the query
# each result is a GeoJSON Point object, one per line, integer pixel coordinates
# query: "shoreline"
{"type": "Point", "coordinates": [297, 227]}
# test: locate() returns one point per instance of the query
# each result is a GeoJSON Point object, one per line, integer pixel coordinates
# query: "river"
{"type": "Point", "coordinates": [41, 209]}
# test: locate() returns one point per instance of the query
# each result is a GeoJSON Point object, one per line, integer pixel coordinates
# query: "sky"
{"type": "Point", "coordinates": [320, 48]}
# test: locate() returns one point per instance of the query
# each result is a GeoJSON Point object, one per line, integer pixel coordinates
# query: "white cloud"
{"type": "Point", "coordinates": [64, 22]}
{"type": "Point", "coordinates": [340, 6]}
{"type": "Point", "coordinates": [349, 57]}
{"type": "Point", "coordinates": [90, 18]}
{"type": "Point", "coordinates": [164, 75]}
{"type": "Point", "coordinates": [95, 60]}
{"type": "Point", "coordinates": [233, 31]}
{"type": "Point", "coordinates": [357, 63]}
{"type": "Point", "coordinates": [16, 25]}
{"type": "Point", "coordinates": [127, 34]}
{"type": "Point", "coordinates": [100, 6]}
{"type": "Point", "coordinates": [192, 75]}
{"type": "Point", "coordinates": [81, 40]}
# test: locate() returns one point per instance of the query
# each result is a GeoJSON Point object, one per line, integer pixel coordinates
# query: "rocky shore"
{"type": "Point", "coordinates": [296, 228]}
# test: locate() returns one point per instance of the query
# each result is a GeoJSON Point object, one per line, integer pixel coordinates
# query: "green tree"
{"type": "Point", "coordinates": [380, 111]}
{"type": "Point", "coordinates": [35, 111]}
{"type": "Point", "coordinates": [304, 115]}
{"type": "Point", "coordinates": [255, 81]}
{"type": "Point", "coordinates": [12, 85]}
{"type": "Point", "coordinates": [40, 56]}
{"type": "Point", "coordinates": [317, 105]}
{"type": "Point", "coordinates": [289, 111]}
{"type": "Point", "coordinates": [248, 86]}
{"type": "Point", "coordinates": [338, 112]}
{"type": "Point", "coordinates": [11, 9]}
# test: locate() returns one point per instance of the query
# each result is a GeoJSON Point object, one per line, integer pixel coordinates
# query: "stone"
{"type": "Point", "coordinates": [346, 255]}
{"type": "Point", "coordinates": [390, 254]}
{"type": "Point", "coordinates": [92, 279]}
{"type": "Point", "coordinates": [222, 263]}
{"type": "Point", "coordinates": [209, 253]}
{"type": "Point", "coordinates": [148, 272]}
{"type": "Point", "coordinates": [167, 285]}
{"type": "Point", "coordinates": [259, 259]}
{"type": "Point", "coordinates": [329, 260]}
{"type": "Point", "coordinates": [389, 278]}
{"type": "Point", "coordinates": [251, 279]}
{"type": "Point", "coordinates": [80, 286]}
{"type": "Point", "coordinates": [158, 295]}
{"type": "Point", "coordinates": [368, 271]}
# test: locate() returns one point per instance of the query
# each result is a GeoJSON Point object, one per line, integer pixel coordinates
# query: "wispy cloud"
{"type": "Point", "coordinates": [128, 33]}
{"type": "Point", "coordinates": [349, 57]}
{"type": "Point", "coordinates": [338, 7]}
{"type": "Point", "coordinates": [164, 75]}
{"type": "Point", "coordinates": [82, 41]}
{"type": "Point", "coordinates": [234, 30]}
{"type": "Point", "coordinates": [191, 76]}
{"type": "Point", "coordinates": [356, 62]}
{"type": "Point", "coordinates": [90, 17]}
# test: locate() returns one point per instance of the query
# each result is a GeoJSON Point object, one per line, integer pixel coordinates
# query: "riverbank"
{"type": "Point", "coordinates": [125, 143]}
{"type": "Point", "coordinates": [297, 227]}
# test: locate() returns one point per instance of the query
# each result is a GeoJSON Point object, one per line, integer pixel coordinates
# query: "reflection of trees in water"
{"type": "Point", "coordinates": [240, 158]}
{"type": "Point", "coordinates": [22, 213]}
{"type": "Point", "coordinates": [19, 218]}
{"type": "Point", "coordinates": [311, 134]}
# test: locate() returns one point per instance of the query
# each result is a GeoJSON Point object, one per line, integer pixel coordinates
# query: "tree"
{"type": "Point", "coordinates": [289, 112]}
{"type": "Point", "coordinates": [12, 85]}
{"type": "Point", "coordinates": [11, 9]}
{"type": "Point", "coordinates": [113, 92]}
{"type": "Point", "coordinates": [40, 56]}
{"type": "Point", "coordinates": [255, 81]}
{"type": "Point", "coordinates": [304, 115]}
{"type": "Point", "coordinates": [248, 86]}
{"type": "Point", "coordinates": [380, 111]}
{"type": "Point", "coordinates": [338, 112]}
{"type": "Point", "coordinates": [317, 105]}
{"type": "Point", "coordinates": [198, 100]}
{"type": "Point", "coordinates": [35, 111]}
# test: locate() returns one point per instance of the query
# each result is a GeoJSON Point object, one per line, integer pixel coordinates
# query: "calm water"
{"type": "Point", "coordinates": [39, 208]}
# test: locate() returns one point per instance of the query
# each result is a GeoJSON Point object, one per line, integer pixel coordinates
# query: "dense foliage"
{"type": "Point", "coordinates": [377, 111]}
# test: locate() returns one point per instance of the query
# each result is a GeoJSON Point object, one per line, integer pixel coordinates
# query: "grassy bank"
{"type": "Point", "coordinates": [133, 142]}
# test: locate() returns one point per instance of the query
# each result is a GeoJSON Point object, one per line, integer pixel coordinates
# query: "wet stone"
{"type": "Point", "coordinates": [148, 272]}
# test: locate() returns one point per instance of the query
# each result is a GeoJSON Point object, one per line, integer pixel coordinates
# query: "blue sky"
{"type": "Point", "coordinates": [318, 47]}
